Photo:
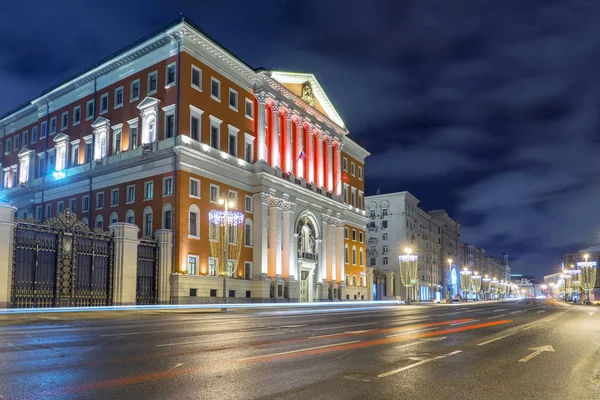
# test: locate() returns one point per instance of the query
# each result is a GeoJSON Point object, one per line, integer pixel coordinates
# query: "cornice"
{"type": "Point", "coordinates": [353, 149]}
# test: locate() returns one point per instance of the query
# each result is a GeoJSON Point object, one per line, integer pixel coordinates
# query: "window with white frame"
{"type": "Point", "coordinates": [113, 219]}
{"type": "Point", "coordinates": [104, 103]}
{"type": "Point", "coordinates": [194, 188]}
{"type": "Point", "coordinates": [8, 147]}
{"type": "Point", "coordinates": [353, 197]}
{"type": "Point", "coordinates": [196, 78]}
{"type": "Point", "coordinates": [360, 199]}
{"type": "Point", "coordinates": [346, 254]}
{"type": "Point", "coordinates": [43, 130]}
{"type": "Point", "coordinates": [215, 89]}
{"type": "Point", "coordinates": [130, 194]}
{"type": "Point", "coordinates": [233, 99]}
{"type": "Point", "coordinates": [385, 249]}
{"type": "Point", "coordinates": [16, 142]}
{"type": "Point", "coordinates": [99, 200]}
{"type": "Point", "coordinates": [360, 176]}
{"type": "Point", "coordinates": [89, 110]}
{"type": "Point", "coordinates": [117, 138]}
{"type": "Point", "coordinates": [212, 266]}
{"type": "Point", "coordinates": [352, 168]}
{"type": "Point", "coordinates": [196, 123]}
{"type": "Point", "coordinates": [25, 138]}
{"type": "Point", "coordinates": [99, 222]}
{"type": "Point", "coordinates": [152, 82]}
{"type": "Point", "coordinates": [34, 134]}
{"type": "Point", "coordinates": [194, 222]}
{"type": "Point", "coordinates": [133, 133]}
{"type": "Point", "coordinates": [88, 155]}
{"type": "Point", "coordinates": [134, 90]}
{"type": "Point", "coordinates": [360, 257]}
{"type": "Point", "coordinates": [361, 237]}
{"type": "Point", "coordinates": [248, 233]}
{"type": "Point", "coordinates": [76, 115]}
{"type": "Point", "coordinates": [114, 197]}
{"type": "Point", "coordinates": [167, 186]}
{"type": "Point", "coordinates": [232, 198]}
{"type": "Point", "coordinates": [248, 205]}
{"type": "Point", "coordinates": [247, 270]}
{"type": "Point", "coordinates": [167, 217]}
{"type": "Point", "coordinates": [385, 261]}
{"type": "Point", "coordinates": [249, 108]}
{"type": "Point", "coordinates": [73, 205]}
{"type": "Point", "coordinates": [75, 153]}
{"type": "Point", "coordinates": [215, 132]}
{"type": "Point", "coordinates": [85, 203]}
{"type": "Point", "coordinates": [232, 142]}
{"type": "Point", "coordinates": [48, 211]}
{"type": "Point", "coordinates": [169, 126]}
{"type": "Point", "coordinates": [384, 236]}
{"type": "Point", "coordinates": [192, 267]}
{"type": "Point", "coordinates": [148, 190]}
{"type": "Point", "coordinates": [171, 74]}
{"type": "Point", "coordinates": [147, 224]}
{"type": "Point", "coordinates": [52, 125]}
{"type": "Point", "coordinates": [130, 217]}
{"type": "Point", "coordinates": [354, 235]}
{"type": "Point", "coordinates": [345, 164]}
{"type": "Point", "coordinates": [38, 213]}
{"type": "Point", "coordinates": [346, 232]}
{"type": "Point", "coordinates": [119, 97]}
{"type": "Point", "coordinates": [64, 121]}
{"type": "Point", "coordinates": [214, 193]}
{"type": "Point", "coordinates": [353, 255]}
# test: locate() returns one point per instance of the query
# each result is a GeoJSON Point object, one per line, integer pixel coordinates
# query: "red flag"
{"type": "Point", "coordinates": [345, 177]}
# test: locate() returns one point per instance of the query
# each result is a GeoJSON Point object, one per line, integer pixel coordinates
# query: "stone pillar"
{"type": "Point", "coordinates": [7, 231]}
{"type": "Point", "coordinates": [320, 162]}
{"type": "Point", "coordinates": [338, 168]}
{"type": "Point", "coordinates": [339, 249]}
{"type": "Point", "coordinates": [261, 229]}
{"type": "Point", "coordinates": [331, 250]}
{"type": "Point", "coordinates": [275, 221]}
{"type": "Point", "coordinates": [370, 283]}
{"type": "Point", "coordinates": [289, 255]}
{"type": "Point", "coordinates": [261, 98]}
{"type": "Point", "coordinates": [310, 152]}
{"type": "Point", "coordinates": [275, 134]}
{"type": "Point", "coordinates": [323, 250]}
{"type": "Point", "coordinates": [287, 115]}
{"type": "Point", "coordinates": [329, 180]}
{"type": "Point", "coordinates": [125, 238]}
{"type": "Point", "coordinates": [299, 162]}
{"type": "Point", "coordinates": [164, 240]}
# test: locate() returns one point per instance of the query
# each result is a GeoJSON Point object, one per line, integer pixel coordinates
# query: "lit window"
{"type": "Point", "coordinates": [215, 89]}
{"type": "Point", "coordinates": [192, 265]}
{"type": "Point", "coordinates": [233, 99]}
{"type": "Point", "coordinates": [214, 193]}
{"type": "Point", "coordinates": [249, 109]}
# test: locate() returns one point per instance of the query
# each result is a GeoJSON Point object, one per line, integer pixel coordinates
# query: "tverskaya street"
{"type": "Point", "coordinates": [500, 350]}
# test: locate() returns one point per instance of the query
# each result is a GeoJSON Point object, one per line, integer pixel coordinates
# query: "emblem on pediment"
{"type": "Point", "coordinates": [307, 94]}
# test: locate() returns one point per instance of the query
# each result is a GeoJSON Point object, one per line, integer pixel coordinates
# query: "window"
{"type": "Point", "coordinates": [167, 217]}
{"type": "Point", "coordinates": [134, 90]}
{"type": "Point", "coordinates": [346, 255]}
{"type": "Point", "coordinates": [352, 168]}
{"type": "Point", "coordinates": [88, 152]}
{"type": "Point", "coordinates": [192, 265]}
{"type": "Point", "coordinates": [99, 200]}
{"type": "Point", "coordinates": [117, 142]}
{"type": "Point", "coordinates": [25, 138]}
{"type": "Point", "coordinates": [89, 110]}
{"type": "Point", "coordinates": [73, 205]}
{"type": "Point", "coordinates": [232, 145]}
{"type": "Point", "coordinates": [384, 224]}
{"type": "Point", "coordinates": [248, 204]}
{"type": "Point", "coordinates": [360, 173]}
{"type": "Point", "coordinates": [248, 148]}
{"type": "Point", "coordinates": [114, 197]}
{"type": "Point", "coordinates": [233, 99]}
{"type": "Point", "coordinates": [152, 82]}
{"type": "Point", "coordinates": [384, 212]}
{"type": "Point", "coordinates": [170, 78]}
{"type": "Point", "coordinates": [133, 137]}
{"type": "Point", "coordinates": [215, 132]}
{"type": "Point", "coordinates": [34, 133]}
{"type": "Point", "coordinates": [373, 262]}
{"type": "Point", "coordinates": [385, 249]}
{"type": "Point", "coordinates": [346, 233]}
{"type": "Point", "coordinates": [64, 121]}
{"type": "Point", "coordinates": [85, 203]}
{"type": "Point", "coordinates": [360, 200]}
{"type": "Point", "coordinates": [196, 78]}
{"type": "Point", "coordinates": [215, 89]}
{"type": "Point", "coordinates": [52, 125]}
{"type": "Point", "coordinates": [345, 164]}
{"type": "Point", "coordinates": [118, 97]}
{"type": "Point", "coordinates": [385, 261]}
{"type": "Point", "coordinates": [384, 236]}
{"type": "Point", "coordinates": [354, 255]}
{"type": "Point", "coordinates": [195, 127]}
{"type": "Point", "coordinates": [169, 126]}
{"type": "Point", "coordinates": [130, 217]}
{"type": "Point", "coordinates": [354, 282]}
{"type": "Point", "coordinates": [168, 186]}
{"type": "Point", "coordinates": [75, 155]}
{"type": "Point", "coordinates": [43, 130]}
{"type": "Point", "coordinates": [99, 222]}
{"type": "Point", "coordinates": [194, 188]}
{"type": "Point", "coordinates": [214, 193]}
{"type": "Point", "coordinates": [249, 109]}
{"type": "Point", "coordinates": [247, 273]}
{"type": "Point", "coordinates": [194, 222]}
{"type": "Point", "coordinates": [232, 198]}
{"type": "Point", "coordinates": [48, 210]}
{"type": "Point", "coordinates": [60, 207]}
{"type": "Point", "coordinates": [212, 266]}
{"type": "Point", "coordinates": [38, 213]}
{"type": "Point", "coordinates": [130, 194]}
{"type": "Point", "coordinates": [360, 237]}
{"type": "Point", "coordinates": [76, 115]}
{"type": "Point", "coordinates": [104, 103]}
{"type": "Point", "coordinates": [147, 229]}
{"type": "Point", "coordinates": [16, 143]}
{"type": "Point", "coordinates": [148, 190]}
{"type": "Point", "coordinates": [113, 219]}
{"type": "Point", "coordinates": [353, 235]}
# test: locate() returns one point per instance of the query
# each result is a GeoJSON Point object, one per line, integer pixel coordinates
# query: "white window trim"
{"type": "Point", "coordinates": [127, 201]}
{"type": "Point", "coordinates": [164, 185]}
{"type": "Point", "coordinates": [197, 258]}
{"type": "Point", "coordinates": [74, 145]}
{"type": "Point", "coordinates": [132, 99]}
{"type": "Point", "coordinates": [213, 79]}
{"type": "Point", "coordinates": [233, 131]}
{"type": "Point", "coordinates": [218, 193]}
{"type": "Point", "coordinates": [352, 168]}
{"type": "Point", "coordinates": [146, 198]}
{"type": "Point", "coordinates": [103, 200]}
{"type": "Point", "coordinates": [168, 110]}
{"type": "Point", "coordinates": [25, 138]}
{"type": "Point", "coordinates": [194, 208]}
{"type": "Point", "coordinates": [194, 68]}
{"type": "Point", "coordinates": [72, 200]}
{"type": "Point", "coordinates": [155, 72]}
{"type": "Point", "coordinates": [199, 191]}
{"type": "Point", "coordinates": [251, 210]}
{"type": "Point", "coordinates": [83, 203]}
{"type": "Point", "coordinates": [62, 119]}
{"type": "Point", "coordinates": [53, 119]}
{"type": "Point", "coordinates": [117, 129]}
{"type": "Point", "coordinates": [250, 117]}
{"type": "Point", "coordinates": [111, 197]}
{"type": "Point", "coordinates": [251, 245]}
{"type": "Point", "coordinates": [237, 100]}
{"type": "Point", "coordinates": [360, 173]}
{"type": "Point", "coordinates": [34, 139]}
{"type": "Point", "coordinates": [248, 139]}
{"type": "Point", "coordinates": [75, 123]}
{"type": "Point", "coordinates": [214, 121]}
{"type": "Point", "coordinates": [235, 197]}
{"type": "Point", "coordinates": [196, 113]}
{"type": "Point", "coordinates": [122, 97]}
{"type": "Point", "coordinates": [87, 106]}
{"type": "Point", "coordinates": [170, 85]}
{"type": "Point", "coordinates": [101, 101]}
{"type": "Point", "coordinates": [133, 124]}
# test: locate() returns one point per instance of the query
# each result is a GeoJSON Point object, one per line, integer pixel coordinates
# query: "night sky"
{"type": "Point", "coordinates": [486, 109]}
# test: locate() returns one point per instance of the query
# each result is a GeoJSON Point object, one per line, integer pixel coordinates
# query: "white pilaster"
{"type": "Point", "coordinates": [310, 153]}
{"type": "Point", "coordinates": [339, 249]}
{"type": "Point", "coordinates": [338, 172]}
{"type": "Point", "coordinates": [320, 161]}
{"type": "Point", "coordinates": [323, 253]}
{"type": "Point", "coordinates": [261, 98]}
{"type": "Point", "coordinates": [289, 255]}
{"type": "Point", "coordinates": [299, 167]}
{"type": "Point", "coordinates": [288, 141]}
{"type": "Point", "coordinates": [275, 222]}
{"type": "Point", "coordinates": [261, 229]}
{"type": "Point", "coordinates": [331, 244]}
{"type": "Point", "coordinates": [275, 132]}
{"type": "Point", "coordinates": [329, 144]}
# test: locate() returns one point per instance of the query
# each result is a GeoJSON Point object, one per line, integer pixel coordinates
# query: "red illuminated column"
{"type": "Point", "coordinates": [287, 146]}
{"type": "Point", "coordinates": [310, 152]}
{"type": "Point", "coordinates": [320, 158]}
{"type": "Point", "coordinates": [299, 161]}
{"type": "Point", "coordinates": [275, 134]}
{"type": "Point", "coordinates": [337, 168]}
{"type": "Point", "coordinates": [261, 99]}
{"type": "Point", "coordinates": [329, 172]}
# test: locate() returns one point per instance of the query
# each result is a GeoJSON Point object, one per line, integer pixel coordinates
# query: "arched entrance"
{"type": "Point", "coordinates": [307, 235]}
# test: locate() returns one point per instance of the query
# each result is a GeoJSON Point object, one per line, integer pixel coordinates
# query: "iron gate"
{"type": "Point", "coordinates": [147, 273]}
{"type": "Point", "coordinates": [61, 263]}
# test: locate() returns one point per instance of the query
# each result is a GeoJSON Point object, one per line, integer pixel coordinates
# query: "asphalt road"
{"type": "Point", "coordinates": [500, 350]}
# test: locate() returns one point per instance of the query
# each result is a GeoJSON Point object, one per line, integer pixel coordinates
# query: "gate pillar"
{"type": "Point", "coordinates": [164, 238]}
{"type": "Point", "coordinates": [7, 230]}
{"type": "Point", "coordinates": [125, 242]}
{"type": "Point", "coordinates": [369, 283]}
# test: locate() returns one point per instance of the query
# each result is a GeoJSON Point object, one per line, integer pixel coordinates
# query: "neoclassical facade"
{"type": "Point", "coordinates": [157, 135]}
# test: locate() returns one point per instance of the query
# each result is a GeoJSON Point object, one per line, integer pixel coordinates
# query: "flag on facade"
{"type": "Point", "coordinates": [302, 155]}
{"type": "Point", "coordinates": [345, 177]}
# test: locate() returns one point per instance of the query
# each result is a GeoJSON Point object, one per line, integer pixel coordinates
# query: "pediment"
{"type": "Point", "coordinates": [148, 102]}
{"type": "Point", "coordinates": [61, 137]}
{"type": "Point", "coordinates": [24, 152]}
{"type": "Point", "coordinates": [100, 121]}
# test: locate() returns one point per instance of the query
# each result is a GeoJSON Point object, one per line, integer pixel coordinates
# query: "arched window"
{"type": "Point", "coordinates": [130, 217]}
{"type": "Point", "coordinates": [353, 255]}
{"type": "Point", "coordinates": [114, 218]}
{"type": "Point", "coordinates": [305, 240]}
{"type": "Point", "coordinates": [99, 222]}
{"type": "Point", "coordinates": [346, 254]}
{"type": "Point", "coordinates": [167, 217]}
{"type": "Point", "coordinates": [85, 221]}
{"type": "Point", "coordinates": [248, 238]}
{"type": "Point", "coordinates": [194, 222]}
{"type": "Point", "coordinates": [360, 257]}
{"type": "Point", "coordinates": [147, 227]}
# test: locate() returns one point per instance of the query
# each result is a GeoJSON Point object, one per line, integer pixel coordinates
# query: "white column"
{"type": "Point", "coordinates": [261, 98]}
{"type": "Point", "coordinates": [320, 162]}
{"type": "Point", "coordinates": [288, 141]}
{"type": "Point", "coordinates": [164, 239]}
{"type": "Point", "coordinates": [331, 244]}
{"type": "Point", "coordinates": [299, 167]}
{"type": "Point", "coordinates": [288, 256]}
{"type": "Point", "coordinates": [310, 153]}
{"type": "Point", "coordinates": [261, 229]}
{"type": "Point", "coordinates": [338, 172]}
{"type": "Point", "coordinates": [339, 248]}
{"type": "Point", "coordinates": [125, 240]}
{"type": "Point", "coordinates": [330, 183]}
{"type": "Point", "coordinates": [7, 229]}
{"type": "Point", "coordinates": [275, 156]}
{"type": "Point", "coordinates": [323, 254]}
{"type": "Point", "coordinates": [275, 221]}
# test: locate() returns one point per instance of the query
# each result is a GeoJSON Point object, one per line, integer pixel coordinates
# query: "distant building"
{"type": "Point", "coordinates": [520, 277]}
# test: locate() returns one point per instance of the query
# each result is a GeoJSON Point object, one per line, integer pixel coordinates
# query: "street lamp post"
{"type": "Point", "coordinates": [449, 297]}
{"type": "Point", "coordinates": [588, 275]}
{"type": "Point", "coordinates": [486, 286]}
{"type": "Point", "coordinates": [226, 204]}
{"type": "Point", "coordinates": [476, 284]}
{"type": "Point", "coordinates": [465, 282]}
{"type": "Point", "coordinates": [408, 270]}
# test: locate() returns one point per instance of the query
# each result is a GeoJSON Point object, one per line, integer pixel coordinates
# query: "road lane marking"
{"type": "Point", "coordinates": [177, 365]}
{"type": "Point", "coordinates": [452, 313]}
{"type": "Point", "coordinates": [343, 326]}
{"type": "Point", "coordinates": [591, 313]}
{"type": "Point", "coordinates": [343, 333]}
{"type": "Point", "coordinates": [536, 352]}
{"type": "Point", "coordinates": [298, 351]}
{"type": "Point", "coordinates": [515, 312]}
{"type": "Point", "coordinates": [541, 311]}
{"type": "Point", "coordinates": [437, 339]}
{"type": "Point", "coordinates": [531, 326]}
{"type": "Point", "coordinates": [414, 331]}
{"type": "Point", "coordinates": [407, 367]}
{"type": "Point", "coordinates": [465, 322]}
{"type": "Point", "coordinates": [501, 309]}
{"type": "Point", "coordinates": [497, 316]}
{"type": "Point", "coordinates": [292, 326]}
{"type": "Point", "coordinates": [215, 339]}
{"type": "Point", "coordinates": [494, 340]}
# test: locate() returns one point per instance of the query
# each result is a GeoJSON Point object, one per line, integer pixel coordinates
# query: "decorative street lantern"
{"type": "Point", "coordinates": [476, 283]}
{"type": "Point", "coordinates": [588, 276]}
{"type": "Point", "coordinates": [486, 285]}
{"type": "Point", "coordinates": [408, 271]}
{"type": "Point", "coordinates": [494, 287]}
{"type": "Point", "coordinates": [465, 281]}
